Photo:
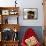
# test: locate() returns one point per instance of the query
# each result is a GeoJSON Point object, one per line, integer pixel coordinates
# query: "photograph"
{"type": "Point", "coordinates": [30, 13]}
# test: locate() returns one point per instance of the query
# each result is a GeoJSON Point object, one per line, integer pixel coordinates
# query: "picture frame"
{"type": "Point", "coordinates": [13, 12]}
{"type": "Point", "coordinates": [30, 13]}
{"type": "Point", "coordinates": [5, 12]}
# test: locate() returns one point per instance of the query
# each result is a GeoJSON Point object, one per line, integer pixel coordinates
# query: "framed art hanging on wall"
{"type": "Point", "coordinates": [30, 13]}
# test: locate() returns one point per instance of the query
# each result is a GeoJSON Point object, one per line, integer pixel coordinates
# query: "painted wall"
{"type": "Point", "coordinates": [32, 4]}
{"type": "Point", "coordinates": [26, 4]}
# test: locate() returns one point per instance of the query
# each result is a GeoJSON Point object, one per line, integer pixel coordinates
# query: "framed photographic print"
{"type": "Point", "coordinates": [5, 12]}
{"type": "Point", "coordinates": [30, 13]}
{"type": "Point", "coordinates": [13, 12]}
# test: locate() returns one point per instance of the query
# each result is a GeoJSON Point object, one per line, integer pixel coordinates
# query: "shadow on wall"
{"type": "Point", "coordinates": [37, 29]}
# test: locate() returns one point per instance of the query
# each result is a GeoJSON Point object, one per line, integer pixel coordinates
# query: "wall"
{"type": "Point", "coordinates": [32, 4]}
{"type": "Point", "coordinates": [27, 4]}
